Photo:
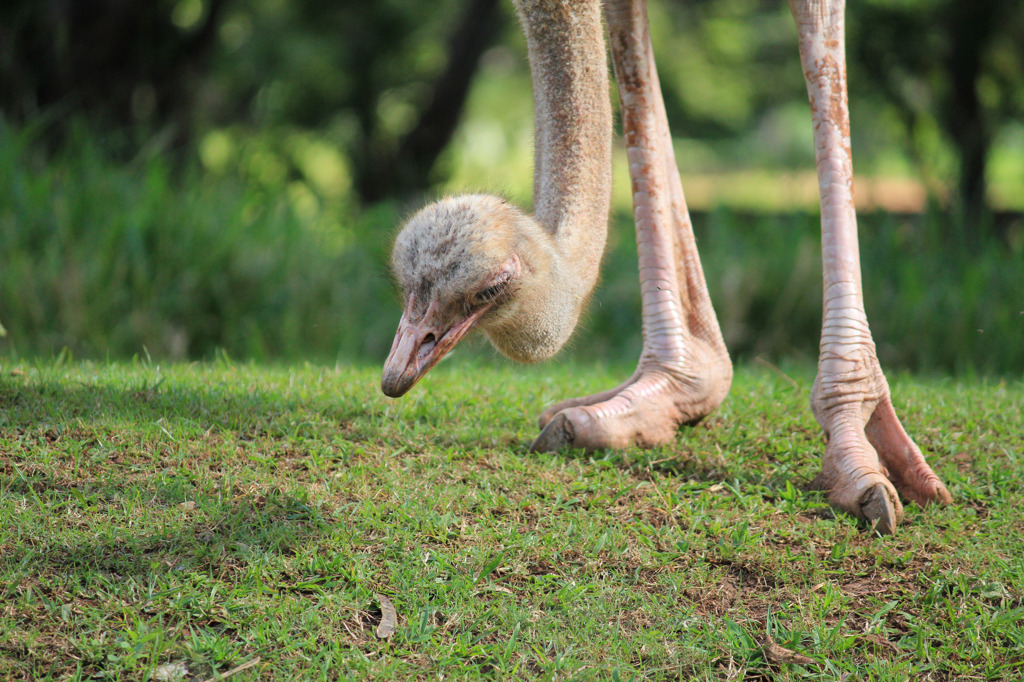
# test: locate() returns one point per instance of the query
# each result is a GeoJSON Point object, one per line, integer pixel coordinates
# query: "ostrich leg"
{"type": "Point", "coordinates": [869, 457]}
{"type": "Point", "coordinates": [684, 371]}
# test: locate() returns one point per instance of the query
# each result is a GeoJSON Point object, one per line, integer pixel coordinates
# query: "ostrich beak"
{"type": "Point", "coordinates": [419, 345]}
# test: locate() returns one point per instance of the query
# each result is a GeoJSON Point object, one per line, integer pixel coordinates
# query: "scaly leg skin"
{"type": "Point", "coordinates": [869, 459]}
{"type": "Point", "coordinates": [684, 371]}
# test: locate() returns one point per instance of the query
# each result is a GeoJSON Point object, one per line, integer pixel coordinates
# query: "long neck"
{"type": "Point", "coordinates": [572, 171]}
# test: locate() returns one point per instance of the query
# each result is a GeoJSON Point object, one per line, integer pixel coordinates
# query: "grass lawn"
{"type": "Point", "coordinates": [217, 515]}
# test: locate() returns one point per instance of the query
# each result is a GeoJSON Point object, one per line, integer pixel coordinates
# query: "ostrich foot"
{"type": "Point", "coordinates": [646, 410]}
{"type": "Point", "coordinates": [869, 461]}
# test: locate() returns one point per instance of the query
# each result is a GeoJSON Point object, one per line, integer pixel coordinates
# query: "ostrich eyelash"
{"type": "Point", "coordinates": [490, 293]}
{"type": "Point", "coordinates": [493, 292]}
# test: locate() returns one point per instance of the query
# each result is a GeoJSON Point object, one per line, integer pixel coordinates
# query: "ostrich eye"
{"type": "Point", "coordinates": [494, 292]}
{"type": "Point", "coordinates": [490, 293]}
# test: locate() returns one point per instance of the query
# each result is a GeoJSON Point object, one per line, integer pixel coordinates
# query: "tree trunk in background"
{"type": "Point", "coordinates": [408, 168]}
{"type": "Point", "coordinates": [930, 60]}
{"type": "Point", "coordinates": [119, 62]}
{"type": "Point", "coordinates": [970, 27]}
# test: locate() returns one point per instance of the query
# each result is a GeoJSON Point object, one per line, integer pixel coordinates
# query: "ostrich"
{"type": "Point", "coordinates": [478, 262]}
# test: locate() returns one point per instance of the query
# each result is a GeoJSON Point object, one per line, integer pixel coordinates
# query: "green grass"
{"type": "Point", "coordinates": [213, 514]}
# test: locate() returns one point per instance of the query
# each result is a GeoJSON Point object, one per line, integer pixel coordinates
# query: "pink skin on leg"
{"type": "Point", "coordinates": [869, 457]}
{"type": "Point", "coordinates": [684, 371]}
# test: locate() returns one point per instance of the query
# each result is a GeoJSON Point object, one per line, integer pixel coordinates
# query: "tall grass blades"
{"type": "Point", "coordinates": [108, 260]}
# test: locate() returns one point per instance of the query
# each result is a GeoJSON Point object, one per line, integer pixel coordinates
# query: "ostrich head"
{"type": "Point", "coordinates": [476, 261]}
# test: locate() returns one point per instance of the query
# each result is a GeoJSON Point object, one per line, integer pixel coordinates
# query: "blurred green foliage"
{"type": "Point", "coordinates": [937, 86]}
{"type": "Point", "coordinates": [106, 258]}
{"type": "Point", "coordinates": [111, 259]}
{"type": "Point", "coordinates": [186, 177]}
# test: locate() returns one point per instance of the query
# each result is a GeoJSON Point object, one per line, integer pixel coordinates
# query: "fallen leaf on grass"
{"type": "Point", "coordinates": [170, 671]}
{"type": "Point", "coordinates": [780, 654]}
{"type": "Point", "coordinates": [494, 588]}
{"type": "Point", "coordinates": [234, 671]}
{"type": "Point", "coordinates": [388, 617]}
{"type": "Point", "coordinates": [881, 641]}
